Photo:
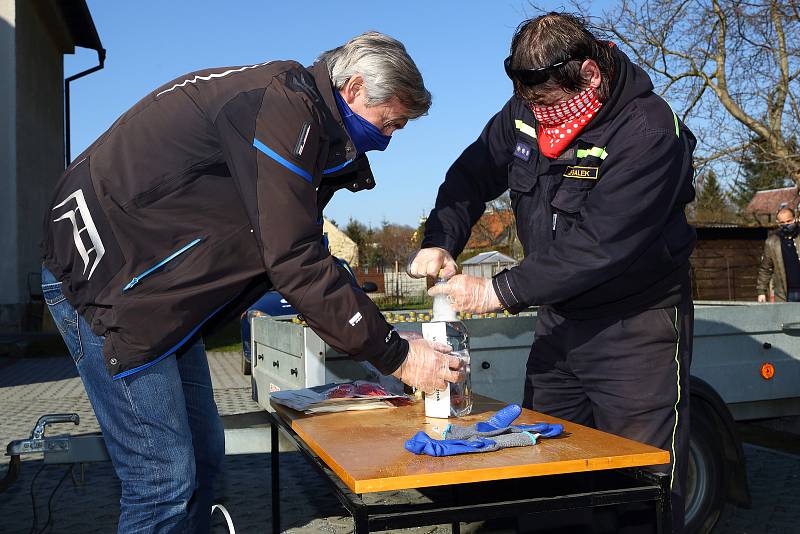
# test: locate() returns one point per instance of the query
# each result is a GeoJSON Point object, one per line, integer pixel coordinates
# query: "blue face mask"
{"type": "Point", "coordinates": [365, 135]}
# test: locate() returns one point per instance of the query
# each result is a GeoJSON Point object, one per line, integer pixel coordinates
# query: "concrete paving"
{"type": "Point", "coordinates": [88, 502]}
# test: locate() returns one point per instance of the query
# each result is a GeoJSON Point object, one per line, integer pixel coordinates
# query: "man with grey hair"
{"type": "Point", "coordinates": [205, 194]}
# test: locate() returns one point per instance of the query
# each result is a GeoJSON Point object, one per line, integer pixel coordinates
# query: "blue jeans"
{"type": "Point", "coordinates": [160, 425]}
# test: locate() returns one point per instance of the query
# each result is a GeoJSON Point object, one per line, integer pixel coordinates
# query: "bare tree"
{"type": "Point", "coordinates": [395, 241]}
{"type": "Point", "coordinates": [731, 67]}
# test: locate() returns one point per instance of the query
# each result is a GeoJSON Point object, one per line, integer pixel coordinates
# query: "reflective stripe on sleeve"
{"type": "Point", "coordinates": [525, 128]}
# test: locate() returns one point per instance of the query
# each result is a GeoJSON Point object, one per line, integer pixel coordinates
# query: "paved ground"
{"type": "Point", "coordinates": [31, 387]}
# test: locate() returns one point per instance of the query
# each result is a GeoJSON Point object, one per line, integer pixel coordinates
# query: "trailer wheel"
{"type": "Point", "coordinates": [706, 476]}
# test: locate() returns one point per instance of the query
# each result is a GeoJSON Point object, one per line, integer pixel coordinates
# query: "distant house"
{"type": "Point", "coordinates": [765, 204]}
{"type": "Point", "coordinates": [339, 244]}
{"type": "Point", "coordinates": [487, 264]}
{"type": "Point", "coordinates": [495, 229]}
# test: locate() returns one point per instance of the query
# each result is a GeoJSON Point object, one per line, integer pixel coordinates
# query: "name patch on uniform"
{"type": "Point", "coordinates": [582, 173]}
{"type": "Point", "coordinates": [523, 151]}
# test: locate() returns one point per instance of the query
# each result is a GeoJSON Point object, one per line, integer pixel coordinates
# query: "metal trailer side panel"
{"type": "Point", "coordinates": [731, 342]}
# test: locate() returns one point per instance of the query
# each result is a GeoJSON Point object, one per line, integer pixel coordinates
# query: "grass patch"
{"type": "Point", "coordinates": [227, 338]}
{"type": "Point", "coordinates": [404, 303]}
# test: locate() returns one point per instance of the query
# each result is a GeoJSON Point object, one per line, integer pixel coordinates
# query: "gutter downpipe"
{"type": "Point", "coordinates": [101, 57]}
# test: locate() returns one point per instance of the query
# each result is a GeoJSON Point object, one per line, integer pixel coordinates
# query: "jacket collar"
{"type": "Point", "coordinates": [343, 169]}
{"type": "Point", "coordinates": [323, 81]}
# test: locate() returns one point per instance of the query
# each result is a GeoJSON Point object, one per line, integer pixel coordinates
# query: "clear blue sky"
{"type": "Point", "coordinates": [458, 45]}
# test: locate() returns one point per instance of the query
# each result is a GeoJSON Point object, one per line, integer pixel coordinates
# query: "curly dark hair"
{"type": "Point", "coordinates": [553, 37]}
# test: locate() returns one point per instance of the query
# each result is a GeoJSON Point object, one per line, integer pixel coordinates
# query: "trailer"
{"type": "Point", "coordinates": [746, 365]}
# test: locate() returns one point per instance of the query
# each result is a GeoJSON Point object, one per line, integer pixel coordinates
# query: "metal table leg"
{"type": "Point", "coordinates": [360, 519]}
{"type": "Point", "coordinates": [664, 506]}
{"type": "Point", "coordinates": [276, 497]}
{"type": "Point", "coordinates": [455, 526]}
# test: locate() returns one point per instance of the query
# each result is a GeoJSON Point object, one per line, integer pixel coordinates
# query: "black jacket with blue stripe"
{"type": "Point", "coordinates": [205, 194]}
{"type": "Point", "coordinates": [602, 226]}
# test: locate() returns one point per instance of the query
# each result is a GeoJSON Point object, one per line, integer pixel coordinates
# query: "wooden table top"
{"type": "Point", "coordinates": [365, 449]}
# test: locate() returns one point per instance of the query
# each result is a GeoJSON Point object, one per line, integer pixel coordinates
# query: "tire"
{"type": "Point", "coordinates": [706, 479]}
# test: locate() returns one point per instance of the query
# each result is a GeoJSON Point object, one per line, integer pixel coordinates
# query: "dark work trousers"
{"type": "Point", "coordinates": [625, 375]}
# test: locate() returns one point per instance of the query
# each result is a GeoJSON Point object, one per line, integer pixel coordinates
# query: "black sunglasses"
{"type": "Point", "coordinates": [533, 76]}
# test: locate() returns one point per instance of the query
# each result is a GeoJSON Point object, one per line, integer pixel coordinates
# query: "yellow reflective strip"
{"type": "Point", "coordinates": [677, 128]}
{"type": "Point", "coordinates": [678, 399]}
{"type": "Point", "coordinates": [525, 128]}
{"type": "Point", "coordinates": [596, 151]}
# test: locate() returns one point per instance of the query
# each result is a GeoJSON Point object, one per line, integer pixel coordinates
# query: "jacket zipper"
{"type": "Point", "coordinates": [157, 266]}
{"type": "Point", "coordinates": [547, 200]}
{"type": "Point", "coordinates": [171, 184]}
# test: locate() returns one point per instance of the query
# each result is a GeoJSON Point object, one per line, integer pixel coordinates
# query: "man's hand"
{"type": "Point", "coordinates": [762, 298]}
{"type": "Point", "coordinates": [429, 366]}
{"type": "Point", "coordinates": [471, 294]}
{"type": "Point", "coordinates": [434, 261]}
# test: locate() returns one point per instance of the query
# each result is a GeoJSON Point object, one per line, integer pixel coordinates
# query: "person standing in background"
{"type": "Point", "coordinates": [780, 263]}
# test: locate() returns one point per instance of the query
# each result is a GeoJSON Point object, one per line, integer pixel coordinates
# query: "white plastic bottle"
{"type": "Point", "coordinates": [456, 400]}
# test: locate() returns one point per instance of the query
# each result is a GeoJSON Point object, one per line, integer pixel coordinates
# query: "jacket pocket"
{"type": "Point", "coordinates": [172, 184]}
{"type": "Point", "coordinates": [162, 264]}
{"type": "Point", "coordinates": [522, 182]}
{"type": "Point", "coordinates": [65, 318]}
{"type": "Point", "coordinates": [569, 200]}
{"type": "Point", "coordinates": [565, 207]}
{"type": "Point", "coordinates": [521, 178]}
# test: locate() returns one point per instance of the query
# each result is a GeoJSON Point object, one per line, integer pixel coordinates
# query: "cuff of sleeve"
{"type": "Point", "coordinates": [394, 354]}
{"type": "Point", "coordinates": [505, 294]}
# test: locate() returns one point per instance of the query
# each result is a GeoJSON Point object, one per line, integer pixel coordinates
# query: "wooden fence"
{"type": "Point", "coordinates": [725, 263]}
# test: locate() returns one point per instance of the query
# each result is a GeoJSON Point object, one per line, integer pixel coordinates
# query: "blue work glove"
{"type": "Point", "coordinates": [496, 433]}
{"type": "Point", "coordinates": [500, 423]}
{"type": "Point", "coordinates": [421, 443]}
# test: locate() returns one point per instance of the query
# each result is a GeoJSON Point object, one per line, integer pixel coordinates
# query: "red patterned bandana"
{"type": "Point", "coordinates": [560, 123]}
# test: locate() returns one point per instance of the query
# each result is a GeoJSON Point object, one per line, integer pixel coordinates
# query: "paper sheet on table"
{"type": "Point", "coordinates": [314, 400]}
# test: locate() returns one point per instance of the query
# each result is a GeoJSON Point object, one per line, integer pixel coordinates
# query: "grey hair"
{"type": "Point", "coordinates": [386, 67]}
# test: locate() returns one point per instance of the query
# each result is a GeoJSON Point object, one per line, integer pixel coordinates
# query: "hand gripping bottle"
{"type": "Point", "coordinates": [456, 399]}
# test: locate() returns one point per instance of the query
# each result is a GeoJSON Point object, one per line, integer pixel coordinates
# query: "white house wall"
{"type": "Point", "coordinates": [9, 281]}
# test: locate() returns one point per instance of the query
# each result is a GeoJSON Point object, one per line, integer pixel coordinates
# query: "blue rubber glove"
{"type": "Point", "coordinates": [421, 443]}
{"type": "Point", "coordinates": [501, 419]}
{"type": "Point", "coordinates": [496, 433]}
{"type": "Point", "coordinates": [500, 423]}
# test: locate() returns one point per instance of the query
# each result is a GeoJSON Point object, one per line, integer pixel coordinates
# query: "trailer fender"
{"type": "Point", "coordinates": [705, 398]}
